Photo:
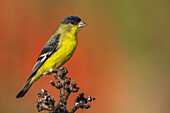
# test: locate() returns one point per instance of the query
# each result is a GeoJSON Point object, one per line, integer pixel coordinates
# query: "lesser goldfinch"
{"type": "Point", "coordinates": [57, 51]}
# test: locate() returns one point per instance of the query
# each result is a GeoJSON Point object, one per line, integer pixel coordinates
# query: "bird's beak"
{"type": "Point", "coordinates": [81, 24]}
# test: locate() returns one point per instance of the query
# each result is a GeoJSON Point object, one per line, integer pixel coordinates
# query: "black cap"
{"type": "Point", "coordinates": [74, 20]}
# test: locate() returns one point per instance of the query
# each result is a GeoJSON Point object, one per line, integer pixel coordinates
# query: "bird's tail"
{"type": "Point", "coordinates": [25, 89]}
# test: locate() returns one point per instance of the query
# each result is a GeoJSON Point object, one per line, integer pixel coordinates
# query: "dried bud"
{"type": "Point", "coordinates": [52, 83]}
{"type": "Point", "coordinates": [39, 94]}
{"type": "Point", "coordinates": [86, 106]}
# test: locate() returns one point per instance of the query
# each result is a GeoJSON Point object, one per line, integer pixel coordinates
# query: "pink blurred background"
{"type": "Point", "coordinates": [122, 59]}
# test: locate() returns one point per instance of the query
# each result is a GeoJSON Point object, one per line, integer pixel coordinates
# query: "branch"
{"type": "Point", "coordinates": [63, 84]}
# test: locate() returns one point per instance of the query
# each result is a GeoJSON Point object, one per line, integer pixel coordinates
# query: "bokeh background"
{"type": "Point", "coordinates": [122, 59]}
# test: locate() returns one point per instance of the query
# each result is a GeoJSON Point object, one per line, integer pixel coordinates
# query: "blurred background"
{"type": "Point", "coordinates": [122, 59]}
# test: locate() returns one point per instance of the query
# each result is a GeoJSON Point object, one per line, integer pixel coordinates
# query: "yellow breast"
{"type": "Point", "coordinates": [65, 51]}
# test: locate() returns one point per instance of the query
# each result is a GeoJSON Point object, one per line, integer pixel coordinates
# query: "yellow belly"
{"type": "Point", "coordinates": [57, 59]}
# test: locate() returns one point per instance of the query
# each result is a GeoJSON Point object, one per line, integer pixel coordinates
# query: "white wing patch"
{"type": "Point", "coordinates": [43, 58]}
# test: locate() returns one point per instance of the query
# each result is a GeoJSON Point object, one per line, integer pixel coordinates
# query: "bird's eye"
{"type": "Point", "coordinates": [72, 23]}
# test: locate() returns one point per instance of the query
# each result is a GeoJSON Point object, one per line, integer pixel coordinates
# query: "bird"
{"type": "Point", "coordinates": [57, 51]}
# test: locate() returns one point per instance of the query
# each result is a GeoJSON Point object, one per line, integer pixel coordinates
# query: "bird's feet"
{"type": "Point", "coordinates": [61, 70]}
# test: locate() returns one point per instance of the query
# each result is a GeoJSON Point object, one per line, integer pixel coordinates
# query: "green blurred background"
{"type": "Point", "coordinates": [122, 59]}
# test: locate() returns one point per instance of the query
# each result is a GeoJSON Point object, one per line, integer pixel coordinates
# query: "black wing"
{"type": "Point", "coordinates": [50, 47]}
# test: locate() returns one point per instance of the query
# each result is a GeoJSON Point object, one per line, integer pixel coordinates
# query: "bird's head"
{"type": "Point", "coordinates": [72, 23]}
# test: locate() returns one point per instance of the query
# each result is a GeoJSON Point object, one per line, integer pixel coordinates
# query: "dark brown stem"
{"type": "Point", "coordinates": [63, 84]}
{"type": "Point", "coordinates": [74, 109]}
